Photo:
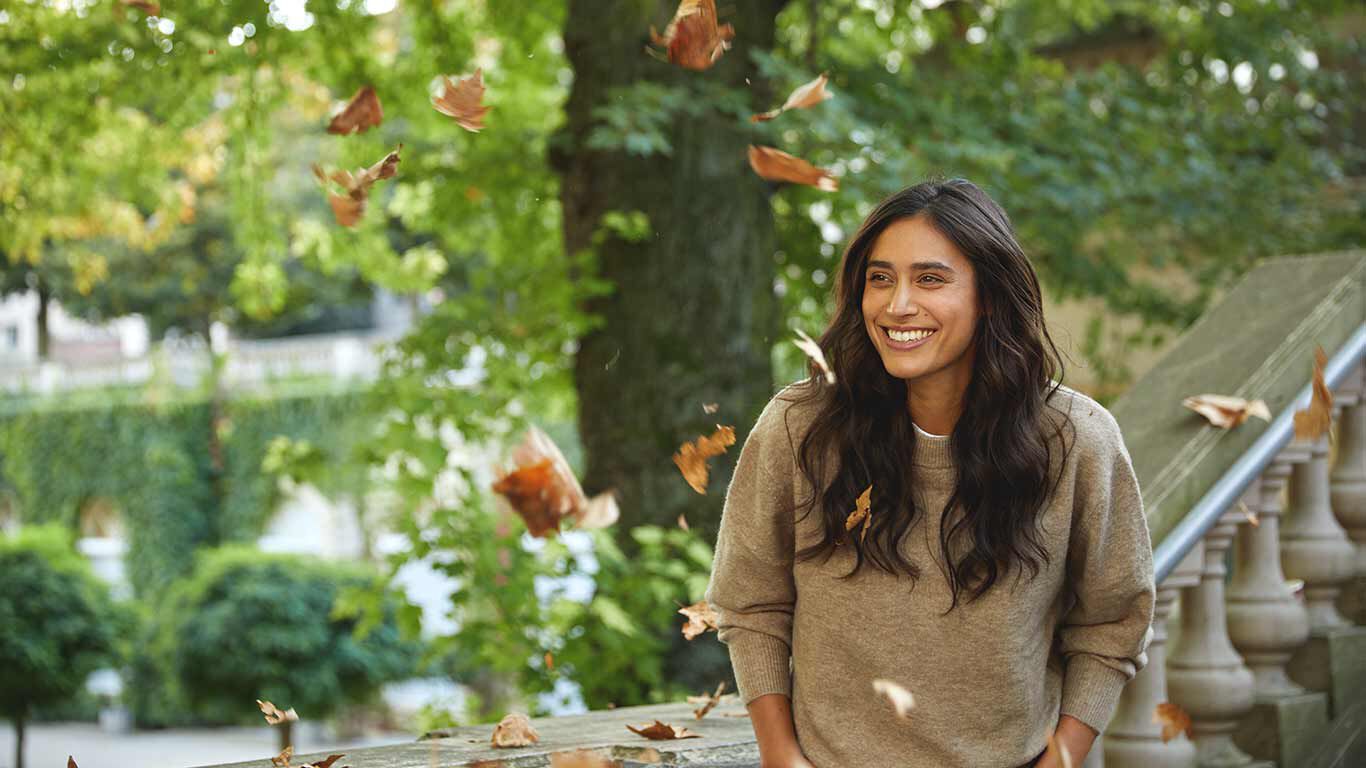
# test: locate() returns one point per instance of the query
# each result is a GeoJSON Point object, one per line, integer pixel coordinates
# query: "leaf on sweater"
{"type": "Point", "coordinates": [350, 206]}
{"type": "Point", "coordinates": [1173, 720]}
{"type": "Point", "coordinates": [813, 351]}
{"type": "Point", "coordinates": [776, 165]}
{"type": "Point", "coordinates": [463, 101]}
{"type": "Point", "coordinates": [661, 731]}
{"type": "Point", "coordinates": [808, 95]}
{"type": "Point", "coordinates": [514, 730]}
{"type": "Point", "coordinates": [1227, 411]}
{"type": "Point", "coordinates": [693, 40]}
{"type": "Point", "coordinates": [579, 758]}
{"type": "Point", "coordinates": [863, 513]}
{"type": "Point", "coordinates": [1064, 757]}
{"type": "Point", "coordinates": [901, 699]}
{"type": "Point", "coordinates": [701, 617]}
{"type": "Point", "coordinates": [543, 491]}
{"type": "Point", "coordinates": [274, 715]}
{"type": "Point", "coordinates": [282, 760]}
{"type": "Point", "coordinates": [705, 702]}
{"type": "Point", "coordinates": [1312, 423]}
{"type": "Point", "coordinates": [360, 114]}
{"type": "Point", "coordinates": [1249, 514]}
{"type": "Point", "coordinates": [691, 458]}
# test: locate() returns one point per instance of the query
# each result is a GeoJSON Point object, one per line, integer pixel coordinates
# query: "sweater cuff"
{"type": "Point", "coordinates": [1090, 690]}
{"type": "Point", "coordinates": [761, 664]}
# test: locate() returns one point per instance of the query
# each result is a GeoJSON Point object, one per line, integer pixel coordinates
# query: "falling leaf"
{"type": "Point", "coordinates": [549, 661]}
{"type": "Point", "coordinates": [710, 407]}
{"type": "Point", "coordinates": [149, 7]}
{"type": "Point", "coordinates": [71, 762]}
{"type": "Point", "coordinates": [350, 206]}
{"type": "Point", "coordinates": [701, 617]}
{"type": "Point", "coordinates": [543, 490]}
{"type": "Point", "coordinates": [813, 351]}
{"type": "Point", "coordinates": [863, 513]}
{"type": "Point", "coordinates": [682, 522]}
{"type": "Point", "coordinates": [1227, 411]}
{"type": "Point", "coordinates": [776, 165]}
{"type": "Point", "coordinates": [1063, 755]}
{"type": "Point", "coordinates": [808, 95]}
{"type": "Point", "coordinates": [273, 714]}
{"type": "Point", "coordinates": [704, 703]}
{"type": "Point", "coordinates": [463, 101]}
{"type": "Point", "coordinates": [360, 114]}
{"type": "Point", "coordinates": [901, 699]}
{"type": "Point", "coordinates": [282, 760]}
{"type": "Point", "coordinates": [579, 758]}
{"type": "Point", "coordinates": [693, 39]}
{"type": "Point", "coordinates": [1312, 423]}
{"type": "Point", "coordinates": [1173, 720]}
{"type": "Point", "coordinates": [514, 730]}
{"type": "Point", "coordinates": [660, 731]}
{"type": "Point", "coordinates": [1249, 514]}
{"type": "Point", "coordinates": [326, 763]}
{"type": "Point", "coordinates": [691, 458]}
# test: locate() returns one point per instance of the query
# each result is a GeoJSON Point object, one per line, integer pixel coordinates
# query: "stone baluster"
{"type": "Point", "coordinates": [1266, 622]}
{"type": "Point", "coordinates": [1206, 675]}
{"type": "Point", "coordinates": [1133, 738]}
{"type": "Point", "coordinates": [1314, 547]}
{"type": "Point", "coordinates": [1348, 478]}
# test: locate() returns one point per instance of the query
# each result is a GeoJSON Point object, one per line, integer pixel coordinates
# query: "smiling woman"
{"type": "Point", "coordinates": [1002, 572]}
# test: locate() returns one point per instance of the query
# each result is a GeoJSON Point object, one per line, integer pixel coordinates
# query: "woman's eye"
{"type": "Point", "coordinates": [936, 277]}
{"type": "Point", "coordinates": [878, 276]}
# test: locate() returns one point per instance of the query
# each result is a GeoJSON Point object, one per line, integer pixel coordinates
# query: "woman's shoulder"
{"type": "Point", "coordinates": [791, 410]}
{"type": "Point", "coordinates": [1089, 426]}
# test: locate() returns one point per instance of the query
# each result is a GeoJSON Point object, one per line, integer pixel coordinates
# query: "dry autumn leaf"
{"type": "Point", "coordinates": [701, 617]}
{"type": "Point", "coordinates": [71, 762]}
{"type": "Point", "coordinates": [274, 715]}
{"type": "Point", "coordinates": [901, 699]}
{"type": "Point", "coordinates": [813, 351]}
{"type": "Point", "coordinates": [324, 763]}
{"type": "Point", "coordinates": [706, 702]}
{"type": "Point", "coordinates": [808, 95]}
{"type": "Point", "coordinates": [360, 114]}
{"type": "Point", "coordinates": [514, 730]}
{"type": "Point", "coordinates": [549, 661]}
{"type": "Point", "coordinates": [1064, 757]}
{"type": "Point", "coordinates": [463, 100]}
{"type": "Point", "coordinates": [1173, 720]}
{"type": "Point", "coordinates": [1312, 423]}
{"type": "Point", "coordinates": [863, 513]}
{"type": "Point", "coordinates": [776, 165]}
{"type": "Point", "coordinates": [693, 39]}
{"type": "Point", "coordinates": [542, 489]}
{"type": "Point", "coordinates": [282, 760]}
{"type": "Point", "coordinates": [579, 758]}
{"type": "Point", "coordinates": [691, 458]}
{"type": "Point", "coordinates": [1227, 411]}
{"type": "Point", "coordinates": [349, 207]}
{"type": "Point", "coordinates": [710, 408]}
{"type": "Point", "coordinates": [660, 731]}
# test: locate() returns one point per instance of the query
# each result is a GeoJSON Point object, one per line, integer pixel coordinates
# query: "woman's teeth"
{"type": "Point", "coordinates": [907, 335]}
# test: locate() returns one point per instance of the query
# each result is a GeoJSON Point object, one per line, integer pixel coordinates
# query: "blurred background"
{"type": "Point", "coordinates": [246, 451]}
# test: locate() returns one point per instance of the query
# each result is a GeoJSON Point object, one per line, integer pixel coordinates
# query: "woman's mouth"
{"type": "Point", "coordinates": [904, 340]}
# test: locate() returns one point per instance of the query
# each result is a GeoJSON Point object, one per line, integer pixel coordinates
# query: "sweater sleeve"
{"type": "Point", "coordinates": [1104, 635]}
{"type": "Point", "coordinates": [751, 587]}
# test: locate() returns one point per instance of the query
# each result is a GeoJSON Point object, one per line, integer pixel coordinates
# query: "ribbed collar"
{"type": "Point", "coordinates": [932, 451]}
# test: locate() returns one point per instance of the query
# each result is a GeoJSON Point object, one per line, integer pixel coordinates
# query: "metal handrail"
{"type": "Point", "coordinates": [1207, 511]}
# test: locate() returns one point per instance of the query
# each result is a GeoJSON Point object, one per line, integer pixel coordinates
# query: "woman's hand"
{"type": "Point", "coordinates": [794, 759]}
{"type": "Point", "coordinates": [1072, 735]}
{"type": "Point", "coordinates": [771, 716]}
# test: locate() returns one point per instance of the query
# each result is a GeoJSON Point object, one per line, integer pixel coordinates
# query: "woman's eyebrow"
{"type": "Point", "coordinates": [917, 265]}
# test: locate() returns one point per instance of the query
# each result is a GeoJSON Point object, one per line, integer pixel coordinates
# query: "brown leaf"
{"type": "Point", "coordinates": [701, 617]}
{"type": "Point", "coordinates": [549, 661]}
{"type": "Point", "coordinates": [776, 165]}
{"type": "Point", "coordinates": [273, 714]}
{"type": "Point", "coordinates": [1173, 720]}
{"type": "Point", "coordinates": [71, 762]}
{"type": "Point", "coordinates": [534, 494]}
{"type": "Point", "coordinates": [543, 490]}
{"type": "Point", "coordinates": [660, 731]}
{"type": "Point", "coordinates": [813, 351]}
{"type": "Point", "coordinates": [863, 512]}
{"type": "Point", "coordinates": [325, 763]}
{"type": "Point", "coordinates": [149, 7]}
{"type": "Point", "coordinates": [705, 702]}
{"type": "Point", "coordinates": [463, 101]}
{"type": "Point", "coordinates": [350, 206]}
{"type": "Point", "coordinates": [514, 730]}
{"type": "Point", "coordinates": [1227, 411]}
{"type": "Point", "coordinates": [1064, 757]}
{"type": "Point", "coordinates": [282, 760]}
{"type": "Point", "coordinates": [691, 458]}
{"type": "Point", "coordinates": [901, 699]}
{"type": "Point", "coordinates": [808, 95]}
{"type": "Point", "coordinates": [693, 39]}
{"type": "Point", "coordinates": [360, 114]}
{"type": "Point", "coordinates": [580, 758]}
{"type": "Point", "coordinates": [1312, 423]}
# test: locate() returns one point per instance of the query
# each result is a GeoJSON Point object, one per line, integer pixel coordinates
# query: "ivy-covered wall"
{"type": "Point", "coordinates": [176, 487]}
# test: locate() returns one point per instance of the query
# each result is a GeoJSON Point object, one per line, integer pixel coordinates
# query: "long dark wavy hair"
{"type": "Point", "coordinates": [1000, 443]}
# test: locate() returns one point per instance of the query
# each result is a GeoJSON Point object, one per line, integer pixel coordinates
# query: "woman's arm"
{"type": "Point", "coordinates": [771, 715]}
{"type": "Point", "coordinates": [1074, 736]}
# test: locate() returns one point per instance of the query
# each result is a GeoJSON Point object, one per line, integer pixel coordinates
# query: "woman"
{"type": "Point", "coordinates": [1003, 571]}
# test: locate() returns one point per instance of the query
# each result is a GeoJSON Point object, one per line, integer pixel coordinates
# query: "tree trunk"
{"type": "Point", "coordinates": [693, 316]}
{"type": "Point", "coordinates": [19, 741]}
{"type": "Point", "coordinates": [44, 298]}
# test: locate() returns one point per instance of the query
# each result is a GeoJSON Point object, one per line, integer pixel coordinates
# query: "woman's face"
{"type": "Point", "coordinates": [917, 280]}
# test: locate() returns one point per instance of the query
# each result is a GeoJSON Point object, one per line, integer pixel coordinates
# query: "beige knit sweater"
{"type": "Point", "coordinates": [990, 678]}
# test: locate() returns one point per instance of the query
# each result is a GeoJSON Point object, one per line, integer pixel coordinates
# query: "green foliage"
{"type": "Point", "coordinates": [57, 624]}
{"type": "Point", "coordinates": [249, 625]}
